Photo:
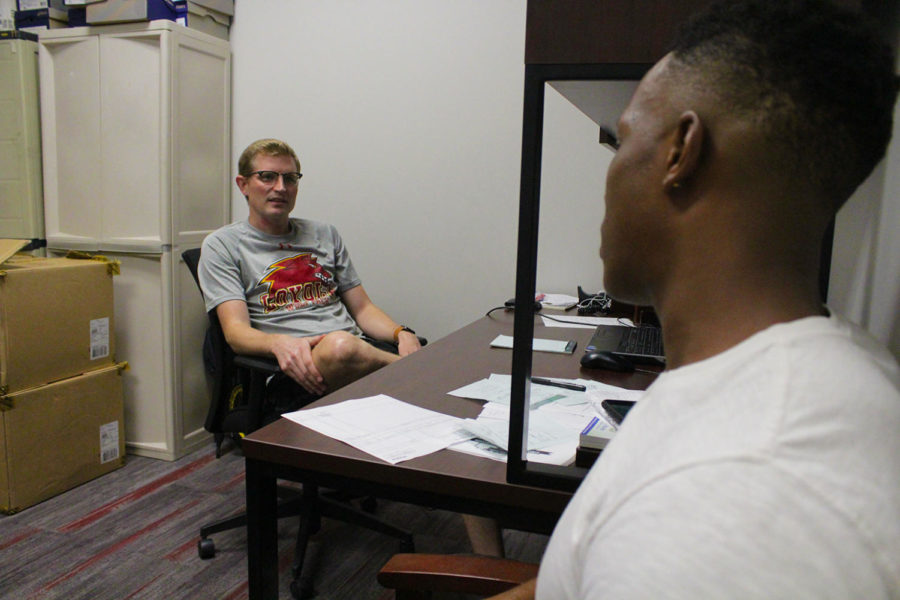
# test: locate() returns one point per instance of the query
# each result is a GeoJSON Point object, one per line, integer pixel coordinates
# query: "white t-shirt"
{"type": "Point", "coordinates": [771, 470]}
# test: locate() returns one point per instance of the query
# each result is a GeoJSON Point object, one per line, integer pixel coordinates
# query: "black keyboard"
{"type": "Point", "coordinates": [643, 340]}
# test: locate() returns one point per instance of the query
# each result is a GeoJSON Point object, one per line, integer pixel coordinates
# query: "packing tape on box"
{"type": "Point", "coordinates": [114, 265]}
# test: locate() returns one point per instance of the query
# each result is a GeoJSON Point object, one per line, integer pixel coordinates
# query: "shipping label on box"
{"type": "Point", "coordinates": [60, 435]}
{"type": "Point", "coordinates": [56, 319]}
{"type": "Point", "coordinates": [32, 4]}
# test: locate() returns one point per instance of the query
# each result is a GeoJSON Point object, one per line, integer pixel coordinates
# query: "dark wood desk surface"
{"type": "Point", "coordinates": [446, 479]}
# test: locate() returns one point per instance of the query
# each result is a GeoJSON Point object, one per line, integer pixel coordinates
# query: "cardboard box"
{"type": "Point", "coordinates": [41, 19]}
{"type": "Point", "coordinates": [56, 317]}
{"type": "Point", "coordinates": [77, 16]}
{"type": "Point", "coordinates": [60, 435]}
{"type": "Point", "coordinates": [207, 20]}
{"type": "Point", "coordinates": [223, 6]}
{"type": "Point", "coordinates": [123, 11]}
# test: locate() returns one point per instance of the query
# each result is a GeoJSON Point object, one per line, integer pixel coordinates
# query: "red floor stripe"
{"type": "Point", "coordinates": [116, 547]}
{"type": "Point", "coordinates": [102, 511]}
{"type": "Point", "coordinates": [232, 483]}
{"type": "Point", "coordinates": [22, 536]}
{"type": "Point", "coordinates": [181, 550]}
{"type": "Point", "coordinates": [142, 588]}
{"type": "Point", "coordinates": [241, 591]}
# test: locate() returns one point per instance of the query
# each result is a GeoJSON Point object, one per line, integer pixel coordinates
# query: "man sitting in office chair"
{"type": "Point", "coordinates": [286, 287]}
{"type": "Point", "coordinates": [764, 462]}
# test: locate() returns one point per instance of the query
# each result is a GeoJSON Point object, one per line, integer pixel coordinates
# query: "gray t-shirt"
{"type": "Point", "coordinates": [291, 283]}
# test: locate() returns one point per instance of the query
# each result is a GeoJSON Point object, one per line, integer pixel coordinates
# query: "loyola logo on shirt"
{"type": "Point", "coordinates": [297, 282]}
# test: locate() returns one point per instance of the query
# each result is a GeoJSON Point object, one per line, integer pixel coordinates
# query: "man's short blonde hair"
{"type": "Point", "coordinates": [267, 146]}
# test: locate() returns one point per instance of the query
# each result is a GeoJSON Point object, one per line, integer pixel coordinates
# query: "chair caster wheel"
{"type": "Point", "coordinates": [206, 548]}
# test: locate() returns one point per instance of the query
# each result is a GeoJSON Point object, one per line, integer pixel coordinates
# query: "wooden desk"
{"type": "Point", "coordinates": [446, 479]}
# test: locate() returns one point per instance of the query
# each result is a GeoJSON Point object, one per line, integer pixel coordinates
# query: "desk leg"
{"type": "Point", "coordinates": [262, 533]}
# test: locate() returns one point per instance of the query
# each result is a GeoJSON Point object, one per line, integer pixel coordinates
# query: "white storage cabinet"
{"type": "Point", "coordinates": [136, 156]}
{"type": "Point", "coordinates": [21, 201]}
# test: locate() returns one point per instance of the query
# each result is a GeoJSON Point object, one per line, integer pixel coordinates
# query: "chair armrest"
{"type": "Point", "coordinates": [454, 573]}
{"type": "Point", "coordinates": [257, 363]}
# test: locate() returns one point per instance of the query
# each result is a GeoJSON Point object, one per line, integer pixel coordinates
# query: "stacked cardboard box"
{"type": "Point", "coordinates": [61, 399]}
{"type": "Point", "coordinates": [124, 11]}
{"type": "Point", "coordinates": [209, 16]}
{"type": "Point", "coordinates": [38, 15]}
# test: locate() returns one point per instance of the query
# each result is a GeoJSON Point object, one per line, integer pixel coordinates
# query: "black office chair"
{"type": "Point", "coordinates": [237, 407]}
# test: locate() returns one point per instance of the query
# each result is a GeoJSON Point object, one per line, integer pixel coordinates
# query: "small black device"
{"type": "Point", "coordinates": [617, 409]}
{"type": "Point", "coordinates": [511, 303]}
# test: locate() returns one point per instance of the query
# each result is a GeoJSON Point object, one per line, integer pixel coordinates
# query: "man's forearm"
{"type": "Point", "coordinates": [375, 323]}
{"type": "Point", "coordinates": [247, 340]}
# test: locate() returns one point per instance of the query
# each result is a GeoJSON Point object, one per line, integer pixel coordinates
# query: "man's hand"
{"type": "Point", "coordinates": [407, 343]}
{"type": "Point", "coordinates": [294, 355]}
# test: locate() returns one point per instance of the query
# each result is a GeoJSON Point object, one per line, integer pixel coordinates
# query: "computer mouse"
{"type": "Point", "coordinates": [606, 360]}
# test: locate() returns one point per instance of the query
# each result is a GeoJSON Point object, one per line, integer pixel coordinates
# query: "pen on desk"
{"type": "Point", "coordinates": [568, 386]}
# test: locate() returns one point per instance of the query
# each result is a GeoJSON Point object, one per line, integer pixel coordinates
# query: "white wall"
{"type": "Point", "coordinates": [573, 176]}
{"type": "Point", "coordinates": [407, 117]}
{"type": "Point", "coordinates": [865, 267]}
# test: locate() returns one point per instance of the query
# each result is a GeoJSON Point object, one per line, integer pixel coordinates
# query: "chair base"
{"type": "Point", "coordinates": [310, 507]}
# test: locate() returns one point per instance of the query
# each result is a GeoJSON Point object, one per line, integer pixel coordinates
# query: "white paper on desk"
{"type": "Point", "coordinates": [582, 322]}
{"type": "Point", "coordinates": [542, 432]}
{"type": "Point", "coordinates": [384, 427]}
{"type": "Point", "coordinates": [568, 413]}
{"type": "Point", "coordinates": [558, 455]}
{"type": "Point", "coordinates": [497, 388]}
{"type": "Point", "coordinates": [552, 432]}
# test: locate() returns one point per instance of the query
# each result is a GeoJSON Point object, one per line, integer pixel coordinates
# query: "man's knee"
{"type": "Point", "coordinates": [342, 357]}
{"type": "Point", "coordinates": [338, 347]}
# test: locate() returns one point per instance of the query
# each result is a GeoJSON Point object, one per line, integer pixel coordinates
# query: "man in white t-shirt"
{"type": "Point", "coordinates": [765, 461]}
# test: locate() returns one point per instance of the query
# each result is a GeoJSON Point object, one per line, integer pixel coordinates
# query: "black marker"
{"type": "Point", "coordinates": [568, 386]}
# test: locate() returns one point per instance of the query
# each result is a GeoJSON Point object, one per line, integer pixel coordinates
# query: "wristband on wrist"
{"type": "Point", "coordinates": [398, 330]}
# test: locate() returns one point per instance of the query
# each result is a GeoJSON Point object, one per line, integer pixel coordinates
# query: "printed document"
{"type": "Point", "coordinates": [384, 427]}
{"type": "Point", "coordinates": [557, 417]}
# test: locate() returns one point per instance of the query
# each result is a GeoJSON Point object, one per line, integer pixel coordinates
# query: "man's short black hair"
{"type": "Point", "coordinates": [815, 79]}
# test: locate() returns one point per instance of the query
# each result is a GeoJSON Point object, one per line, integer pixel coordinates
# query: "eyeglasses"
{"type": "Point", "coordinates": [290, 179]}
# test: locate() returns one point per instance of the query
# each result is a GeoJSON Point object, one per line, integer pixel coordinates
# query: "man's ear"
{"type": "Point", "coordinates": [684, 155]}
{"type": "Point", "coordinates": [241, 182]}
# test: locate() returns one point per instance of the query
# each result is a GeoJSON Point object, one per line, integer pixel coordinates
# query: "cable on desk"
{"type": "Point", "coordinates": [496, 308]}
